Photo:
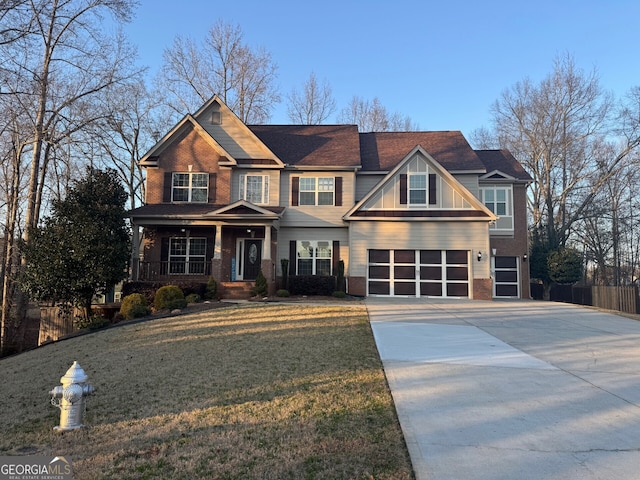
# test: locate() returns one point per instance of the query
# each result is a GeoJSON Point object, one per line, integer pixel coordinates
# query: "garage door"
{"type": "Point", "coordinates": [506, 284]}
{"type": "Point", "coordinates": [414, 273]}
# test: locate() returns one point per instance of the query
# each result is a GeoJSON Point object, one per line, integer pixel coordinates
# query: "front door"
{"type": "Point", "coordinates": [251, 258]}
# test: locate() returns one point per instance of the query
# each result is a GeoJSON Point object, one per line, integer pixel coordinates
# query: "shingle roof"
{"type": "Point", "coordinates": [383, 151]}
{"type": "Point", "coordinates": [312, 145]}
{"type": "Point", "coordinates": [184, 209]}
{"type": "Point", "coordinates": [505, 162]}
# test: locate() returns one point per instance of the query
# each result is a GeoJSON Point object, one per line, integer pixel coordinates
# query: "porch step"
{"type": "Point", "coordinates": [236, 290]}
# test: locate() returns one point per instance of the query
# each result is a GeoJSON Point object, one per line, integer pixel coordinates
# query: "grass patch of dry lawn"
{"type": "Point", "coordinates": [250, 392]}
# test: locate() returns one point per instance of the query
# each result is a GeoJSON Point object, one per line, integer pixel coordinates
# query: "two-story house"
{"type": "Point", "coordinates": [409, 213]}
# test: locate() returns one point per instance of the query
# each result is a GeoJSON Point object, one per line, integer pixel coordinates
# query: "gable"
{"type": "Point", "coordinates": [233, 135]}
{"type": "Point", "coordinates": [420, 187]}
{"type": "Point", "coordinates": [187, 134]}
{"type": "Point", "coordinates": [497, 175]}
{"type": "Point", "coordinates": [502, 163]}
{"type": "Point", "coordinates": [191, 151]}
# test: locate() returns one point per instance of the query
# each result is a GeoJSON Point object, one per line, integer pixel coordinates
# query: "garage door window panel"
{"type": "Point", "coordinates": [405, 288]}
{"type": "Point", "coordinates": [378, 272]}
{"type": "Point", "coordinates": [379, 288]}
{"type": "Point", "coordinates": [457, 290]}
{"type": "Point", "coordinates": [431, 273]}
{"type": "Point", "coordinates": [379, 256]}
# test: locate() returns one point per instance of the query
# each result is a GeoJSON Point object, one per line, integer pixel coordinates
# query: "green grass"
{"type": "Point", "coordinates": [252, 392]}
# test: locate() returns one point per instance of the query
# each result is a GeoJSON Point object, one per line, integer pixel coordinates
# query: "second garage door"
{"type": "Point", "coordinates": [414, 273]}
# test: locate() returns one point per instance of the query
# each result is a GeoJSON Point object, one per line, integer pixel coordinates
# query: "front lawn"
{"type": "Point", "coordinates": [262, 391]}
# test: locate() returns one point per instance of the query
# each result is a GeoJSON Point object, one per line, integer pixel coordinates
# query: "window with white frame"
{"type": "Point", "coordinates": [190, 187]}
{"type": "Point", "coordinates": [254, 188]}
{"type": "Point", "coordinates": [317, 191]}
{"type": "Point", "coordinates": [499, 200]}
{"type": "Point", "coordinates": [313, 257]}
{"type": "Point", "coordinates": [187, 256]}
{"type": "Point", "coordinates": [417, 189]}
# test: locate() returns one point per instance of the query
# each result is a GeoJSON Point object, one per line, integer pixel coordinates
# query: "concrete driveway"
{"type": "Point", "coordinates": [512, 390]}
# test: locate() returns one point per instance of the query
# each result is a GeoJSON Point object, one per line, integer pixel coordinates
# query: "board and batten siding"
{"type": "Point", "coordinates": [382, 235]}
{"type": "Point", "coordinates": [285, 235]}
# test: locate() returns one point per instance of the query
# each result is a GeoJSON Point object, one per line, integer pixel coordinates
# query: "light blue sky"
{"type": "Point", "coordinates": [441, 63]}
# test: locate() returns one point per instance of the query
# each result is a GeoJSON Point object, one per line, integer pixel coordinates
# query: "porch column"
{"type": "Point", "coordinates": [266, 246]}
{"type": "Point", "coordinates": [217, 247]}
{"type": "Point", "coordinates": [135, 253]}
{"type": "Point", "coordinates": [216, 261]}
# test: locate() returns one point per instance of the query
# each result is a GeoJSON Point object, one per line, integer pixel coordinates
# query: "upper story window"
{"type": "Point", "coordinates": [190, 187]}
{"type": "Point", "coordinates": [418, 189]}
{"type": "Point", "coordinates": [254, 188]}
{"type": "Point", "coordinates": [499, 200]}
{"type": "Point", "coordinates": [317, 191]}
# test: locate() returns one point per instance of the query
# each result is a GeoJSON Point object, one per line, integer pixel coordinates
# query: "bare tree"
{"type": "Point", "coordinates": [16, 20]}
{"type": "Point", "coordinates": [14, 144]}
{"type": "Point", "coordinates": [557, 129]}
{"type": "Point", "coordinates": [119, 140]}
{"type": "Point", "coordinates": [372, 116]}
{"type": "Point", "coordinates": [52, 73]}
{"type": "Point", "coordinates": [66, 60]}
{"type": "Point", "coordinates": [314, 105]}
{"type": "Point", "coordinates": [222, 64]}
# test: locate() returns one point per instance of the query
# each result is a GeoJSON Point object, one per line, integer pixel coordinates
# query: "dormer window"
{"type": "Point", "coordinates": [190, 187]}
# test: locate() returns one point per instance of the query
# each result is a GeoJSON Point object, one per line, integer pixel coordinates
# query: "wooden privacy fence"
{"type": "Point", "coordinates": [623, 299]}
{"type": "Point", "coordinates": [56, 322]}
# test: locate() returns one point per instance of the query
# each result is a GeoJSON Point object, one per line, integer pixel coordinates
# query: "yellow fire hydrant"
{"type": "Point", "coordinates": [70, 397]}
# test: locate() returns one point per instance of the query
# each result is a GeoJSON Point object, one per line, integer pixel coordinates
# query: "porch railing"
{"type": "Point", "coordinates": [151, 271]}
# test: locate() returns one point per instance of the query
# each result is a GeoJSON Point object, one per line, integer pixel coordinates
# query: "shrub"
{"type": "Point", "coordinates": [282, 293]}
{"type": "Point", "coordinates": [148, 289]}
{"type": "Point", "coordinates": [341, 284]}
{"type": "Point", "coordinates": [284, 264]}
{"type": "Point", "coordinates": [261, 287]}
{"type": "Point", "coordinates": [134, 306]}
{"type": "Point", "coordinates": [339, 294]}
{"type": "Point", "coordinates": [199, 288]}
{"type": "Point", "coordinates": [169, 297]}
{"type": "Point", "coordinates": [193, 298]}
{"type": "Point", "coordinates": [212, 289]}
{"type": "Point", "coordinates": [94, 322]}
{"type": "Point", "coordinates": [312, 285]}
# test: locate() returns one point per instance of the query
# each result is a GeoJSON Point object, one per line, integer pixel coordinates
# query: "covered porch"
{"type": "Point", "coordinates": [230, 245]}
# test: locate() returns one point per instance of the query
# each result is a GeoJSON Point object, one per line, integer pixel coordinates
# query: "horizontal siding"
{"type": "Point", "coordinates": [364, 184]}
{"type": "Point", "coordinates": [233, 136]}
{"type": "Point", "coordinates": [470, 182]}
{"type": "Point", "coordinates": [316, 216]}
{"type": "Point", "coordinates": [419, 235]}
